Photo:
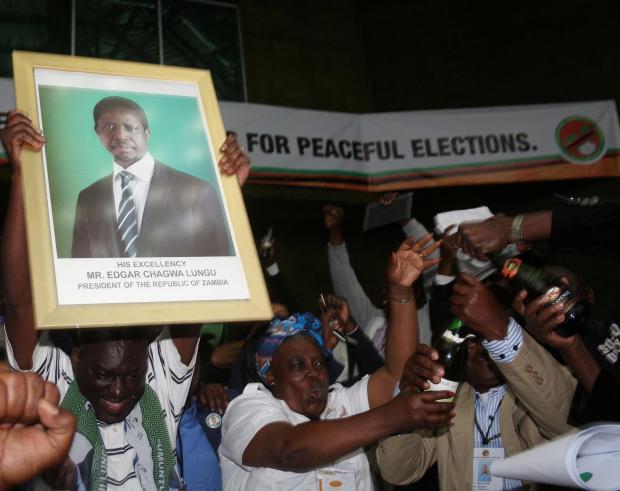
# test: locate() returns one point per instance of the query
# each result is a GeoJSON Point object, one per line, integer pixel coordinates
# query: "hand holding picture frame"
{"type": "Point", "coordinates": [129, 220]}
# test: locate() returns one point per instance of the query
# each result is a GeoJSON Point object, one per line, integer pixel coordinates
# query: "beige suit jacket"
{"type": "Point", "coordinates": [534, 409]}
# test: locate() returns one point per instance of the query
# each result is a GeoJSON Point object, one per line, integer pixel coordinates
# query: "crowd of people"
{"type": "Point", "coordinates": [339, 397]}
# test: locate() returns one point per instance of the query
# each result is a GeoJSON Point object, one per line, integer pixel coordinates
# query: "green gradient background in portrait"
{"type": "Point", "coordinates": [76, 158]}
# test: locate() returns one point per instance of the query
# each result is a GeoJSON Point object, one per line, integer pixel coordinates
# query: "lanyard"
{"type": "Point", "coordinates": [485, 436]}
{"type": "Point", "coordinates": [180, 457]}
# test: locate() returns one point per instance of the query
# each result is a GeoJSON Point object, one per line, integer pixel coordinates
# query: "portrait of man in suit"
{"type": "Point", "coordinates": [144, 208]}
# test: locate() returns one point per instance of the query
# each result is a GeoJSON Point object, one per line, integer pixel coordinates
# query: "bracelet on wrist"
{"type": "Point", "coordinates": [353, 331]}
{"type": "Point", "coordinates": [517, 234]}
{"type": "Point", "coordinates": [516, 229]}
{"type": "Point", "coordinates": [402, 300]}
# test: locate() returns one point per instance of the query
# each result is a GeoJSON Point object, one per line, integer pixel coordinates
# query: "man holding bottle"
{"type": "Point", "coordinates": [575, 224]}
{"type": "Point", "coordinates": [515, 396]}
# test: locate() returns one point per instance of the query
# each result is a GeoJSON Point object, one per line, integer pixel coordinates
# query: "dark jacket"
{"type": "Point", "coordinates": [593, 225]}
{"type": "Point", "coordinates": [182, 217]}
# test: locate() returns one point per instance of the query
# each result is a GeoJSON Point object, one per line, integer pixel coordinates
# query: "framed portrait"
{"type": "Point", "coordinates": [129, 220]}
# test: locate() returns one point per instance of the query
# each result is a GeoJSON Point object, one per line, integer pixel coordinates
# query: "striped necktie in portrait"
{"type": "Point", "coordinates": [127, 217]}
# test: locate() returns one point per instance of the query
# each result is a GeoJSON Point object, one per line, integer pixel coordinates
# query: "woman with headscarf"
{"type": "Point", "coordinates": [294, 431]}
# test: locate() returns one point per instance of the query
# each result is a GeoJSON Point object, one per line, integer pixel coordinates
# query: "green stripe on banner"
{"type": "Point", "coordinates": [542, 158]}
{"type": "Point", "coordinates": [289, 170]}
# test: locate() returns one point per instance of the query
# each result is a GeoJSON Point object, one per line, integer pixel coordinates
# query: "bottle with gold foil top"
{"type": "Point", "coordinates": [538, 282]}
{"type": "Point", "coordinates": [452, 350]}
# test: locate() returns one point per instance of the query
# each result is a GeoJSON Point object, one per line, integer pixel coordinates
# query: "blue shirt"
{"type": "Point", "coordinates": [198, 461]}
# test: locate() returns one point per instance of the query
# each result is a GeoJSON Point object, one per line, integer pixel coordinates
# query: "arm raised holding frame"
{"type": "Point", "coordinates": [20, 327]}
{"type": "Point", "coordinates": [18, 134]}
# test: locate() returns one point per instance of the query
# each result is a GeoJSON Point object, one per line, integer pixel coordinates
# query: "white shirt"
{"type": "Point", "coordinates": [166, 375]}
{"type": "Point", "coordinates": [256, 408]}
{"type": "Point", "coordinates": [370, 319]}
{"type": "Point", "coordinates": [142, 170]}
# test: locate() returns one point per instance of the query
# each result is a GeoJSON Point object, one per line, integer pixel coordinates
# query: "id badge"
{"type": "Point", "coordinates": [483, 460]}
{"type": "Point", "coordinates": [330, 479]}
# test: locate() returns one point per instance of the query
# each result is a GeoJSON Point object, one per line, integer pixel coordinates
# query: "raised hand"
{"type": "Point", "coordinates": [407, 263]}
{"type": "Point", "coordinates": [331, 321]}
{"type": "Point", "coordinates": [338, 304]}
{"type": "Point", "coordinates": [335, 316]}
{"type": "Point", "coordinates": [490, 235]}
{"type": "Point", "coordinates": [34, 433]}
{"type": "Point", "coordinates": [20, 132]}
{"type": "Point", "coordinates": [332, 217]}
{"type": "Point", "coordinates": [234, 160]}
{"type": "Point", "coordinates": [386, 199]}
{"type": "Point", "coordinates": [542, 320]}
{"type": "Point", "coordinates": [449, 243]}
{"type": "Point", "coordinates": [213, 397]}
{"type": "Point", "coordinates": [449, 248]}
{"type": "Point", "coordinates": [475, 305]}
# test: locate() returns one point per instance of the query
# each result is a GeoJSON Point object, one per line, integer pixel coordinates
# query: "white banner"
{"type": "Point", "coordinates": [428, 148]}
{"type": "Point", "coordinates": [421, 148]}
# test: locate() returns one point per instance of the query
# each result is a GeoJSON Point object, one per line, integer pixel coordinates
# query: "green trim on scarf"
{"type": "Point", "coordinates": [154, 426]}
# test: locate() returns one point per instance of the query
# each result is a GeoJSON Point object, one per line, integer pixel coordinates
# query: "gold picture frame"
{"type": "Point", "coordinates": [74, 289]}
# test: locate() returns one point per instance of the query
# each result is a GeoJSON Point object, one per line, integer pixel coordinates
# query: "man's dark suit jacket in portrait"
{"type": "Point", "coordinates": [182, 217]}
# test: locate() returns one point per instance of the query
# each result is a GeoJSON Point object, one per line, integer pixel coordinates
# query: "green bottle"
{"type": "Point", "coordinates": [539, 282]}
{"type": "Point", "coordinates": [452, 350]}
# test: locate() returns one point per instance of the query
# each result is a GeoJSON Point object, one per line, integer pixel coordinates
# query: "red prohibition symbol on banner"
{"type": "Point", "coordinates": [580, 139]}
